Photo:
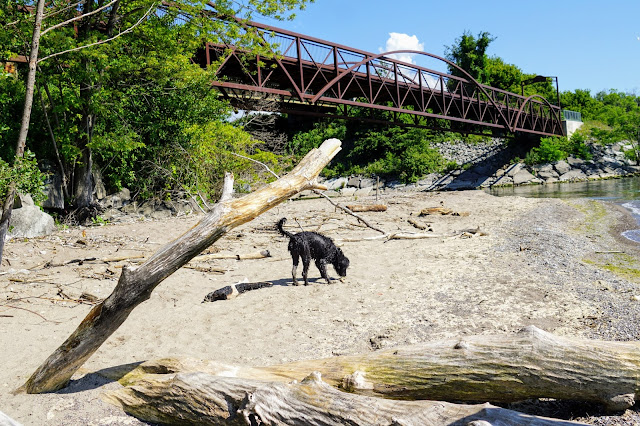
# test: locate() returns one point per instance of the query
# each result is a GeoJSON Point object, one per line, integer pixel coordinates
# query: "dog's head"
{"type": "Point", "coordinates": [341, 264]}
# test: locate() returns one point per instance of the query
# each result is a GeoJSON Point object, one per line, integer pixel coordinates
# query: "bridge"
{"type": "Point", "coordinates": [306, 75]}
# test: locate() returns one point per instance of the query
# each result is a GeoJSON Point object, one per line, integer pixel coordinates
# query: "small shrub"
{"type": "Point", "coordinates": [554, 149]}
{"type": "Point", "coordinates": [25, 173]}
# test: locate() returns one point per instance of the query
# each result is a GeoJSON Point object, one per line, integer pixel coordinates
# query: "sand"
{"type": "Point", "coordinates": [535, 262]}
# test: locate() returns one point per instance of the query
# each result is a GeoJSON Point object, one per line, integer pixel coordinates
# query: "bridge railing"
{"type": "Point", "coordinates": [315, 71]}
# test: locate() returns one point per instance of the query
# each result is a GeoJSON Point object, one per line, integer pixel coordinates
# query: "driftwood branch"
{"type": "Point", "coordinates": [136, 283]}
{"type": "Point", "coordinates": [241, 256]}
{"type": "Point", "coordinates": [500, 368]}
{"type": "Point", "coordinates": [367, 207]}
{"type": "Point", "coordinates": [199, 398]}
{"type": "Point", "coordinates": [233, 290]}
{"type": "Point", "coordinates": [325, 196]}
{"type": "Point", "coordinates": [465, 233]}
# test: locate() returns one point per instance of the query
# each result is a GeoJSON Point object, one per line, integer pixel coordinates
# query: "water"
{"type": "Point", "coordinates": [625, 191]}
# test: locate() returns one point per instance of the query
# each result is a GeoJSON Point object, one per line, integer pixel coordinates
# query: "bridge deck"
{"type": "Point", "coordinates": [314, 75]}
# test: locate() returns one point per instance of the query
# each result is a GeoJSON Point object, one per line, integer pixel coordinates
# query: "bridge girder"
{"type": "Point", "coordinates": [307, 74]}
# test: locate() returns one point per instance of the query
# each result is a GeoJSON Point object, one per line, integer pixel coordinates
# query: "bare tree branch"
{"type": "Point", "coordinates": [128, 30]}
{"type": "Point", "coordinates": [71, 6]}
{"type": "Point", "coordinates": [77, 18]}
{"type": "Point", "coordinates": [343, 208]}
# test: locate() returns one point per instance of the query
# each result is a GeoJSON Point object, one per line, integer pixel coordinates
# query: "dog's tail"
{"type": "Point", "coordinates": [282, 230]}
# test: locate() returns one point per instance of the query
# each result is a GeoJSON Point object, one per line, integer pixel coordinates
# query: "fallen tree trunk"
{"type": "Point", "coordinates": [136, 283]}
{"type": "Point", "coordinates": [202, 399]}
{"type": "Point", "coordinates": [501, 368]}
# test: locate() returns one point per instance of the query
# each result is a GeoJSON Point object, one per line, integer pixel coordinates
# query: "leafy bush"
{"type": "Point", "coordinates": [304, 142]}
{"type": "Point", "coordinates": [553, 149]}
{"type": "Point", "coordinates": [25, 173]}
{"type": "Point", "coordinates": [213, 149]}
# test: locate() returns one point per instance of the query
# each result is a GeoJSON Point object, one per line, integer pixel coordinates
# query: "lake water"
{"type": "Point", "coordinates": [624, 191]}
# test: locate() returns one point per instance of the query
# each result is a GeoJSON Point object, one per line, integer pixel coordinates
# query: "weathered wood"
{"type": "Point", "coordinates": [500, 368]}
{"type": "Point", "coordinates": [202, 399]}
{"type": "Point", "coordinates": [441, 211]}
{"type": "Point", "coordinates": [233, 290]}
{"type": "Point", "coordinates": [243, 256]}
{"type": "Point", "coordinates": [136, 283]}
{"type": "Point", "coordinates": [367, 207]}
{"type": "Point", "coordinates": [417, 224]}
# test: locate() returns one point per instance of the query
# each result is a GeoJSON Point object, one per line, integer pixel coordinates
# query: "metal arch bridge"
{"type": "Point", "coordinates": [306, 75]}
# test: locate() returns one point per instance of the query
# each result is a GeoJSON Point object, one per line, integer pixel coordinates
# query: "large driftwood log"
{"type": "Point", "coordinates": [500, 368]}
{"type": "Point", "coordinates": [203, 399]}
{"type": "Point", "coordinates": [136, 283]}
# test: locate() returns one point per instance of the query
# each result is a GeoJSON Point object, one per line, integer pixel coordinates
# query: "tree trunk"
{"type": "Point", "coordinates": [202, 399]}
{"type": "Point", "coordinates": [501, 368]}
{"type": "Point", "coordinates": [26, 118]}
{"type": "Point", "coordinates": [136, 283]}
{"type": "Point", "coordinates": [83, 190]}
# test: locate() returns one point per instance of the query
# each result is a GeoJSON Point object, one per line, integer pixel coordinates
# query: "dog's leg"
{"type": "Point", "coordinates": [295, 258]}
{"type": "Point", "coordinates": [321, 264]}
{"type": "Point", "coordinates": [306, 261]}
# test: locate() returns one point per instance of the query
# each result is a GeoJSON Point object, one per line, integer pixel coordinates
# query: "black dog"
{"type": "Point", "coordinates": [311, 245]}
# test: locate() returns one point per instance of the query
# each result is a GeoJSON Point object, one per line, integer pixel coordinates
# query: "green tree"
{"type": "Point", "coordinates": [502, 75]}
{"type": "Point", "coordinates": [469, 53]}
{"type": "Point", "coordinates": [609, 116]}
{"type": "Point", "coordinates": [136, 51]}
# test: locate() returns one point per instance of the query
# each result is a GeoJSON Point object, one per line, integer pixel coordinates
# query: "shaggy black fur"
{"type": "Point", "coordinates": [311, 245]}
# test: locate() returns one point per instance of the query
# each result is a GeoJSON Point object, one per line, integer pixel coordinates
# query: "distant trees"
{"type": "Point", "coordinates": [470, 54]}
{"type": "Point", "coordinates": [609, 116]}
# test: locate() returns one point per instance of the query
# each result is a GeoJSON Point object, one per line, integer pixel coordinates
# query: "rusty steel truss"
{"type": "Point", "coordinates": [306, 75]}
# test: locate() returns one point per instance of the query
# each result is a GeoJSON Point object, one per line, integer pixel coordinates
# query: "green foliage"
{"type": "Point", "coordinates": [502, 75]}
{"type": "Point", "coordinates": [609, 116]}
{"type": "Point", "coordinates": [304, 142]}
{"type": "Point", "coordinates": [399, 152]}
{"type": "Point", "coordinates": [11, 105]}
{"type": "Point", "coordinates": [199, 166]}
{"type": "Point", "coordinates": [553, 149]}
{"type": "Point", "coordinates": [130, 100]}
{"type": "Point", "coordinates": [26, 175]}
{"type": "Point", "coordinates": [469, 53]}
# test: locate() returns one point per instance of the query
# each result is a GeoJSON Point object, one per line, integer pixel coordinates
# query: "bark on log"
{"type": "Point", "coordinates": [245, 256]}
{"type": "Point", "coordinates": [202, 399]}
{"type": "Point", "coordinates": [501, 368]}
{"type": "Point", "coordinates": [367, 208]}
{"type": "Point", "coordinates": [136, 283]}
{"type": "Point", "coordinates": [233, 290]}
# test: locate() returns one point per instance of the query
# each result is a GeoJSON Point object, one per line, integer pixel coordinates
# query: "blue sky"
{"type": "Point", "coordinates": [587, 44]}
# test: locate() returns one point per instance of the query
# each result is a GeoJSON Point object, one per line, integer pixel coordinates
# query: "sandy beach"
{"type": "Point", "coordinates": [559, 265]}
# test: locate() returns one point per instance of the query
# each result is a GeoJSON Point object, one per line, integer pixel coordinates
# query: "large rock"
{"type": "Point", "coordinates": [29, 221]}
{"type": "Point", "coordinates": [514, 169]}
{"type": "Point", "coordinates": [575, 162]}
{"type": "Point", "coordinates": [522, 177]}
{"type": "Point", "coordinates": [573, 175]}
{"type": "Point", "coordinates": [547, 173]}
{"type": "Point", "coordinates": [354, 182]}
{"type": "Point", "coordinates": [336, 184]}
{"type": "Point", "coordinates": [562, 167]}
{"type": "Point", "coordinates": [117, 200]}
{"type": "Point", "coordinates": [53, 191]}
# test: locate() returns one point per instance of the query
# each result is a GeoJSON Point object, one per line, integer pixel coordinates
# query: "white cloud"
{"type": "Point", "coordinates": [400, 41]}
